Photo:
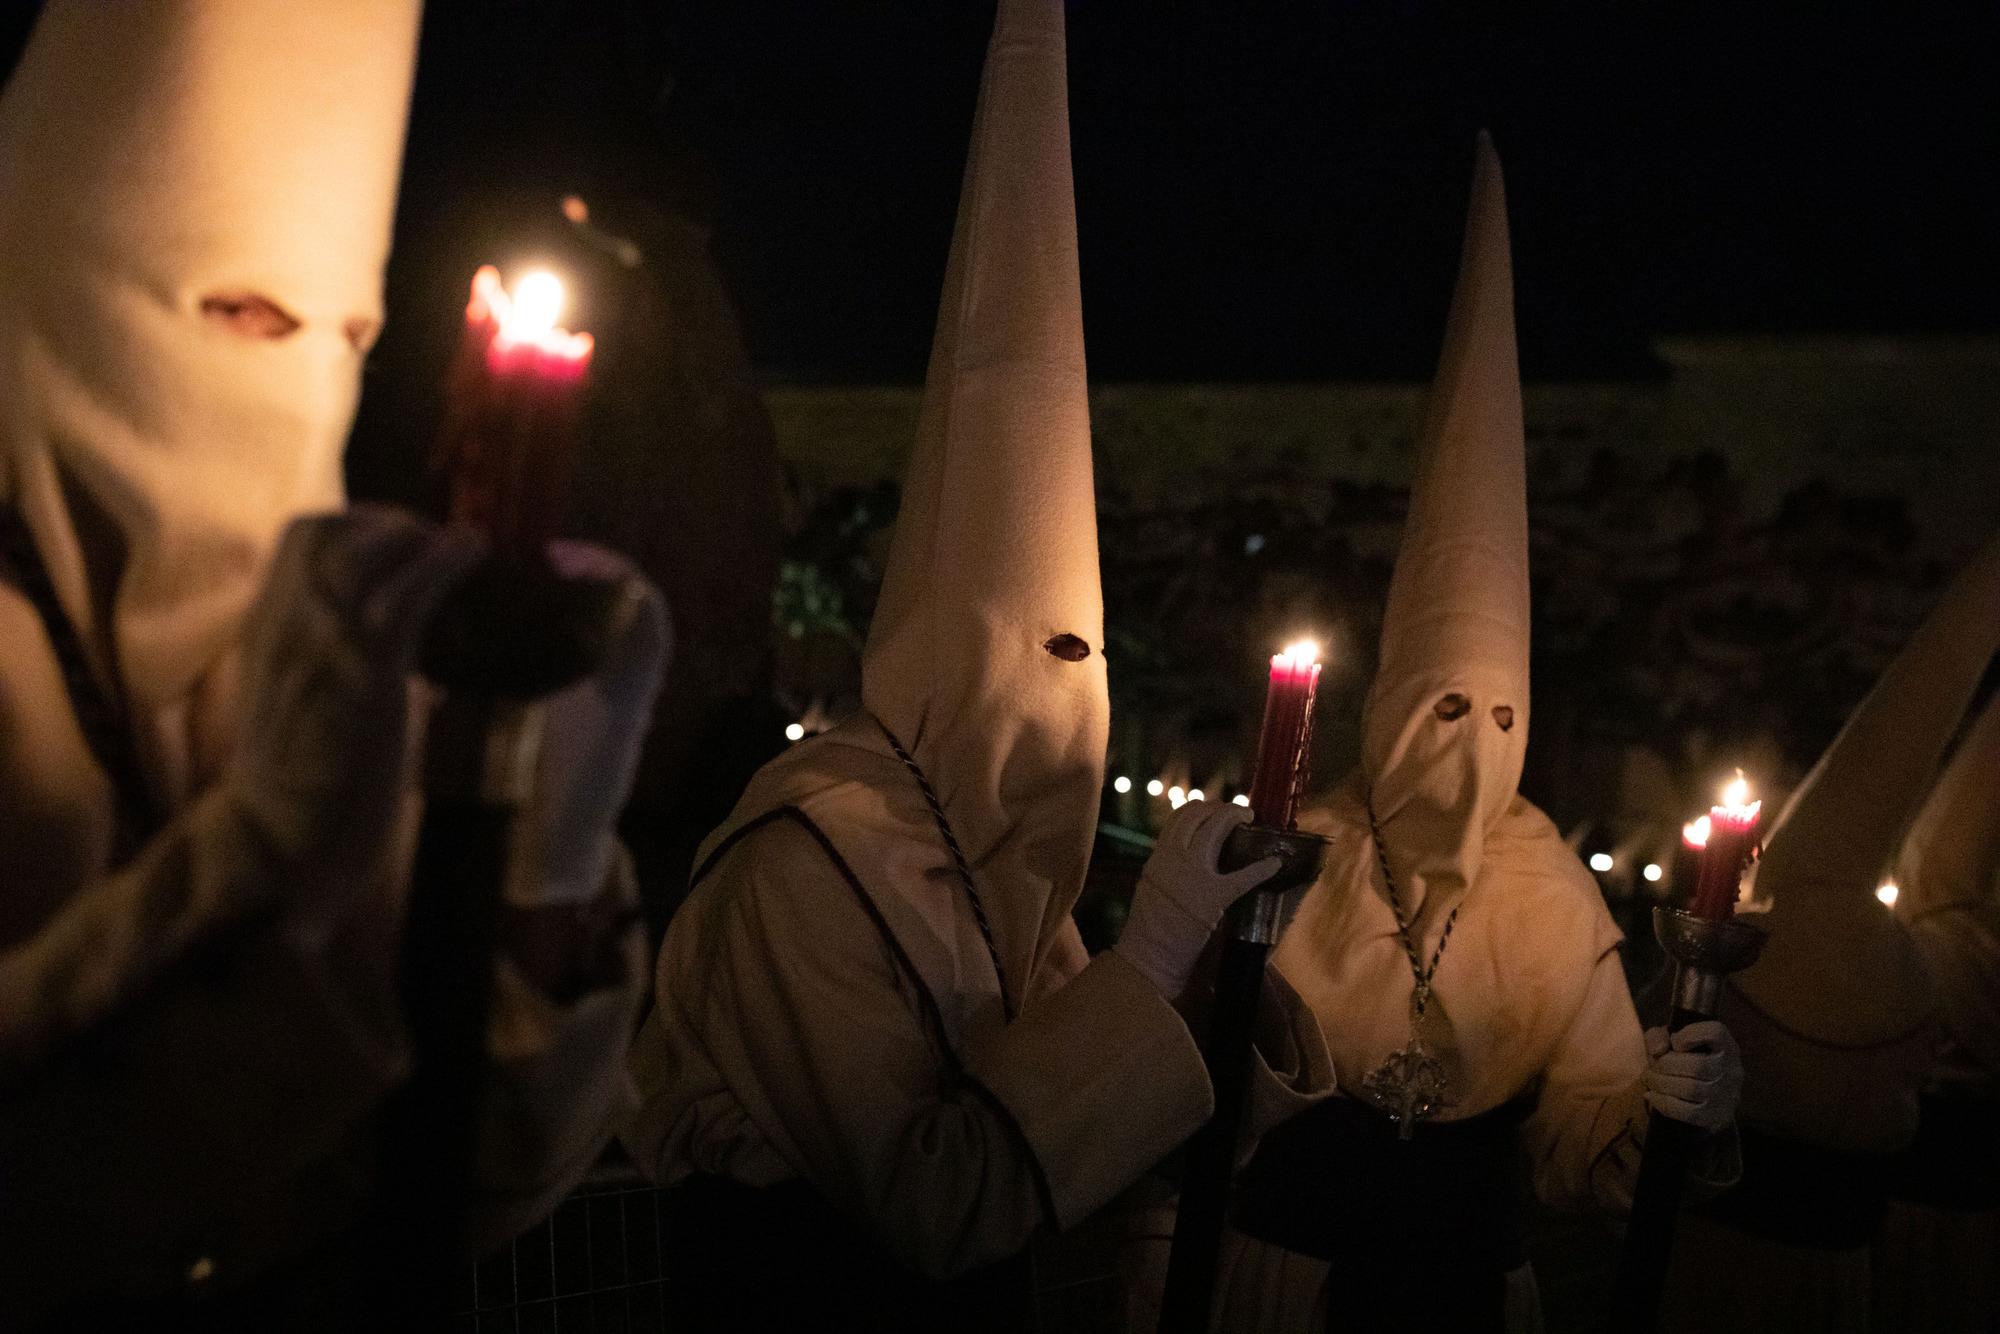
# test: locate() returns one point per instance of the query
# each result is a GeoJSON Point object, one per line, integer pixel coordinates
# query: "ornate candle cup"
{"type": "Point", "coordinates": [1257, 916]}
{"type": "Point", "coordinates": [1704, 950]}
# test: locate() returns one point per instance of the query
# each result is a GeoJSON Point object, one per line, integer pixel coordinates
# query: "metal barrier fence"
{"type": "Point", "coordinates": [594, 1266]}
{"type": "Point", "coordinates": [597, 1265]}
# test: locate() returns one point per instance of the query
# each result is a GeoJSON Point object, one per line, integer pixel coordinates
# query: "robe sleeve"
{"type": "Point", "coordinates": [822, 1034]}
{"type": "Point", "coordinates": [1290, 1066]}
{"type": "Point", "coordinates": [1583, 1138]}
{"type": "Point", "coordinates": [243, 1061]}
{"type": "Point", "coordinates": [559, 1084]}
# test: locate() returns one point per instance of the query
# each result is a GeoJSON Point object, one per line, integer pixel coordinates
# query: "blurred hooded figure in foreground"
{"type": "Point", "coordinates": [878, 1047]}
{"type": "Point", "coordinates": [209, 713]}
{"type": "Point", "coordinates": [1459, 958]}
{"type": "Point", "coordinates": [1839, 1019]}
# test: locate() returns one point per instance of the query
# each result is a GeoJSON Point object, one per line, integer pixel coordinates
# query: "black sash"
{"type": "Point", "coordinates": [1422, 1230]}
{"type": "Point", "coordinates": [98, 714]}
{"type": "Point", "coordinates": [1954, 1163]}
{"type": "Point", "coordinates": [1801, 1195]}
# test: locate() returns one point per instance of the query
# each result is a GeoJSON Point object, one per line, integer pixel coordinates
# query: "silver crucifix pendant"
{"type": "Point", "coordinates": [1408, 1087]}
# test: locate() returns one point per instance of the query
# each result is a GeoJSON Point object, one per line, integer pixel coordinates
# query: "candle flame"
{"type": "Point", "coordinates": [1736, 792]}
{"type": "Point", "coordinates": [538, 303]}
{"type": "Point", "coordinates": [527, 314]}
{"type": "Point", "coordinates": [1888, 893]}
{"type": "Point", "coordinates": [1303, 651]}
{"type": "Point", "coordinates": [1696, 832]}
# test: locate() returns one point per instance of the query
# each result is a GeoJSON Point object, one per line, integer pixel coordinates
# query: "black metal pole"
{"type": "Point", "coordinates": [1656, 1207]}
{"type": "Point", "coordinates": [1705, 951]}
{"type": "Point", "coordinates": [1250, 928]}
{"type": "Point", "coordinates": [1210, 1165]}
{"type": "Point", "coordinates": [511, 636]}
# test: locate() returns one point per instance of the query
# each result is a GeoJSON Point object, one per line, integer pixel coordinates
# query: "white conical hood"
{"type": "Point", "coordinates": [1951, 857]}
{"type": "Point", "coordinates": [1457, 618]}
{"type": "Point", "coordinates": [992, 587]}
{"type": "Point", "coordinates": [1839, 968]}
{"type": "Point", "coordinates": [160, 157]}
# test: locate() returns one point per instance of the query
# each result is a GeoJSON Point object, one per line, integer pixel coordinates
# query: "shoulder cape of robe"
{"type": "Point", "coordinates": [826, 1009]}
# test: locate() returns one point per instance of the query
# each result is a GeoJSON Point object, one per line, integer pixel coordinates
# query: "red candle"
{"type": "Point", "coordinates": [1281, 744]}
{"type": "Point", "coordinates": [510, 416]}
{"type": "Point", "coordinates": [1726, 839]}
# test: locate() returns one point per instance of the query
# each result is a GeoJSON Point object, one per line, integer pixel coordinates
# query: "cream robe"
{"type": "Point", "coordinates": [790, 1040]}
{"type": "Point", "coordinates": [226, 1114]}
{"type": "Point", "coordinates": [1530, 995]}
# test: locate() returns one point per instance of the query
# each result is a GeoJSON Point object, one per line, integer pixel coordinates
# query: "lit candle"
{"type": "Point", "coordinates": [1725, 839]}
{"type": "Point", "coordinates": [510, 422]}
{"type": "Point", "coordinates": [1281, 745]}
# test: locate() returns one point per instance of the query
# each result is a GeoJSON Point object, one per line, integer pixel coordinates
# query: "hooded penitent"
{"type": "Point", "coordinates": [985, 659]}
{"type": "Point", "coordinates": [1445, 726]}
{"type": "Point", "coordinates": [191, 252]}
{"type": "Point", "coordinates": [1948, 874]}
{"type": "Point", "coordinates": [1444, 731]}
{"type": "Point", "coordinates": [1840, 980]}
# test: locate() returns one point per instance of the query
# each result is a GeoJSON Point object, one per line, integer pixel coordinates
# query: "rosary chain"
{"type": "Point", "coordinates": [1418, 972]}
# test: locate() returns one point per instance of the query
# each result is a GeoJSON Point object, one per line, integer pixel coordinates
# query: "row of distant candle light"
{"type": "Point", "coordinates": [1696, 832]}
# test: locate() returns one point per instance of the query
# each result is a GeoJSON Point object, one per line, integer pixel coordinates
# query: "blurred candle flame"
{"type": "Point", "coordinates": [526, 315]}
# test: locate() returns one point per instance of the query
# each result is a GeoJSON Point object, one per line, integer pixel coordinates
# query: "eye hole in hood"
{"type": "Point", "coordinates": [1503, 714]}
{"type": "Point", "coordinates": [249, 315]}
{"type": "Point", "coordinates": [1452, 707]}
{"type": "Point", "coordinates": [1067, 647]}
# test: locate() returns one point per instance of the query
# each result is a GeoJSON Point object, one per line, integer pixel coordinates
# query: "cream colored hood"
{"type": "Point", "coordinates": [1840, 968]}
{"type": "Point", "coordinates": [1456, 627]}
{"type": "Point", "coordinates": [986, 656]}
{"type": "Point", "coordinates": [161, 162]}
{"type": "Point", "coordinates": [1951, 857]}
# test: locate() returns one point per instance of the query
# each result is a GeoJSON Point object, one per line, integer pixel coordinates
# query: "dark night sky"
{"type": "Point", "coordinates": [1265, 192]}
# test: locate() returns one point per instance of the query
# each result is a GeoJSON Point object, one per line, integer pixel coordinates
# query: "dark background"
{"type": "Point", "coordinates": [1270, 192]}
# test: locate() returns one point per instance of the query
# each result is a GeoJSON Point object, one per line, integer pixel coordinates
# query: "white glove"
{"type": "Point", "coordinates": [592, 733]}
{"type": "Point", "coordinates": [1181, 894]}
{"type": "Point", "coordinates": [326, 748]}
{"type": "Point", "coordinates": [1696, 1076]}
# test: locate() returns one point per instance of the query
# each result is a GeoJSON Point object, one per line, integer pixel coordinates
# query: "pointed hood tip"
{"type": "Point", "coordinates": [988, 634]}
{"type": "Point", "coordinates": [1445, 722]}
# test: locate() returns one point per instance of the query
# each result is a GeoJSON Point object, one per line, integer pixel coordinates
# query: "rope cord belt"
{"type": "Point", "coordinates": [957, 860]}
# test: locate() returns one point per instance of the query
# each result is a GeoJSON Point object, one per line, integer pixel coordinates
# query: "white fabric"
{"type": "Point", "coordinates": [995, 551]}
{"type": "Point", "coordinates": [592, 733]}
{"type": "Point", "coordinates": [1181, 895]}
{"type": "Point", "coordinates": [1839, 969]}
{"type": "Point", "coordinates": [1457, 617]}
{"type": "Point", "coordinates": [1694, 1075]}
{"type": "Point", "coordinates": [155, 154]}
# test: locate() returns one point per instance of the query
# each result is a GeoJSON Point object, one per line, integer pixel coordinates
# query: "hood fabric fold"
{"type": "Point", "coordinates": [1951, 857]}
{"type": "Point", "coordinates": [195, 202]}
{"type": "Point", "coordinates": [1840, 969]}
{"type": "Point", "coordinates": [1445, 724]}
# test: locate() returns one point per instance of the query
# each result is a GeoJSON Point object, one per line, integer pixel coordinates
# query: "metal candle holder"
{"type": "Point", "coordinates": [1704, 950]}
{"type": "Point", "coordinates": [1249, 929]}
{"type": "Point", "coordinates": [1258, 917]}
